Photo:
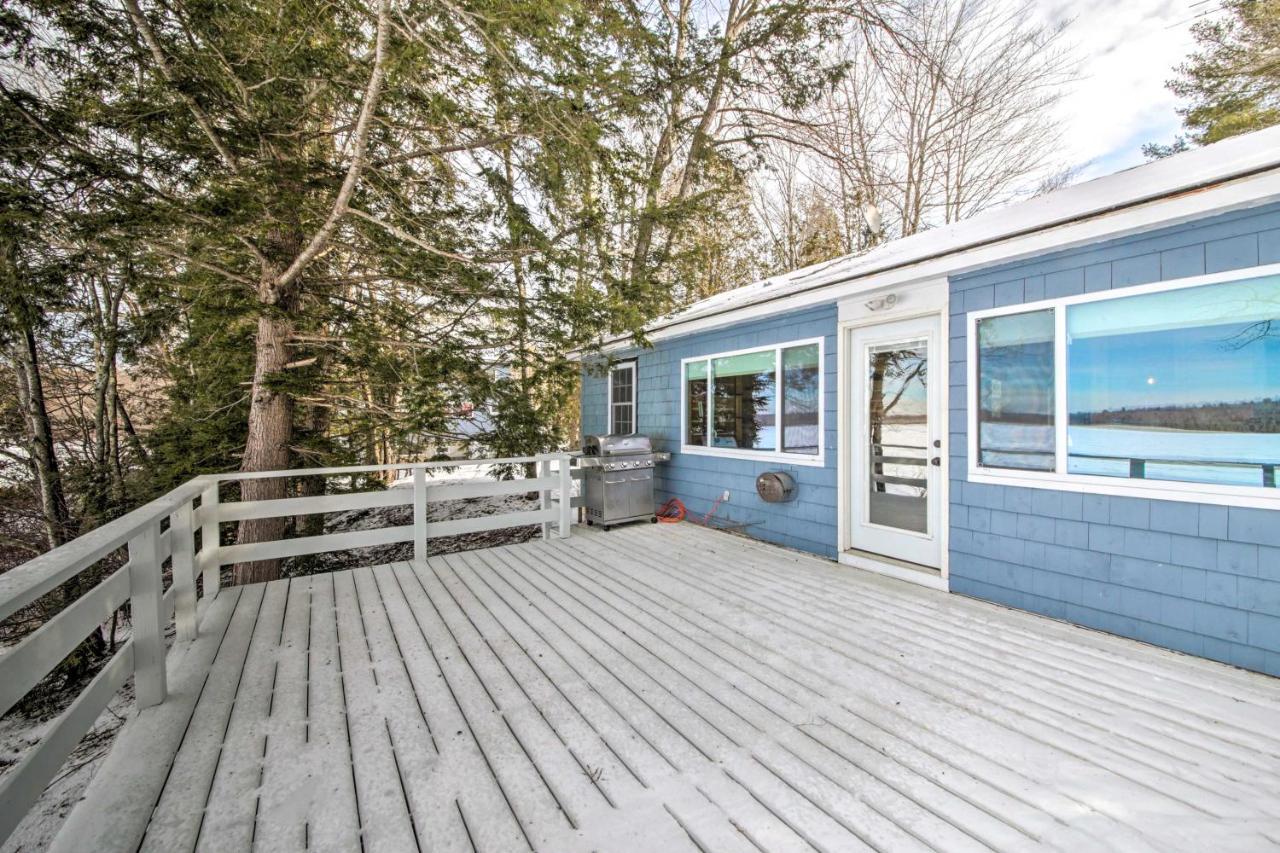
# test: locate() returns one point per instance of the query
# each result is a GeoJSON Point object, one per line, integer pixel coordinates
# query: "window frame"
{"type": "Point", "coordinates": [773, 456]}
{"type": "Point", "coordinates": [1059, 478]}
{"type": "Point", "coordinates": [629, 364]}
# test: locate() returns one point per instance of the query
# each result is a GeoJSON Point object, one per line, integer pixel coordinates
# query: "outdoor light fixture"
{"type": "Point", "coordinates": [880, 303]}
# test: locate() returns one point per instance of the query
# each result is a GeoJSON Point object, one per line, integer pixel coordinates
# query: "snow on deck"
{"type": "Point", "coordinates": [674, 688]}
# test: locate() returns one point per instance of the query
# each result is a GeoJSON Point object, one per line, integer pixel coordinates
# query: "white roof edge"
{"type": "Point", "coordinates": [1239, 158]}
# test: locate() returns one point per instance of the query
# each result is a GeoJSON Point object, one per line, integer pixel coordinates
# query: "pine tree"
{"type": "Point", "coordinates": [1231, 84]}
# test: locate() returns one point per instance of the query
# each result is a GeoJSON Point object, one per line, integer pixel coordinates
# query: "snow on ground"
{"type": "Point", "coordinates": [370, 519]}
{"type": "Point", "coordinates": [18, 733]}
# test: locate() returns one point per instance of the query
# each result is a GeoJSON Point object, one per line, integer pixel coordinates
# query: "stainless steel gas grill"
{"type": "Point", "coordinates": [617, 478]}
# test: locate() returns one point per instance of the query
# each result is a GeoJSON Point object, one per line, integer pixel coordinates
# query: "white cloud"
{"type": "Point", "coordinates": [1128, 49]}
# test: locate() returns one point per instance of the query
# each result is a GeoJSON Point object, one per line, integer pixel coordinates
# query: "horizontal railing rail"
{"type": "Point", "coordinates": [880, 458]}
{"type": "Point", "coordinates": [1137, 465]}
{"type": "Point", "coordinates": [139, 582]}
{"type": "Point", "coordinates": [164, 532]}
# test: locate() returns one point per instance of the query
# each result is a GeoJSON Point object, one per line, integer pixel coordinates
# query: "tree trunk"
{"type": "Point", "coordinates": [875, 415]}
{"type": "Point", "coordinates": [313, 523]}
{"type": "Point", "coordinates": [107, 478]}
{"type": "Point", "coordinates": [131, 434]}
{"type": "Point", "coordinates": [267, 445]}
{"type": "Point", "coordinates": [662, 154]}
{"type": "Point", "coordinates": [40, 442]}
{"type": "Point", "coordinates": [279, 292]}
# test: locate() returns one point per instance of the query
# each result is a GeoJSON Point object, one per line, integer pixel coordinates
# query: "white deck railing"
{"type": "Point", "coordinates": [165, 530]}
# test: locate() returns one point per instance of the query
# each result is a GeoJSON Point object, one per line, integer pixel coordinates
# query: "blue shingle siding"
{"type": "Point", "coordinates": [809, 521]}
{"type": "Point", "coordinates": [1203, 579]}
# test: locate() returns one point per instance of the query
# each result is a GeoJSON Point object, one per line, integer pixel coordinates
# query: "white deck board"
{"type": "Point", "coordinates": [232, 807]}
{"type": "Point", "coordinates": [332, 818]}
{"type": "Point", "coordinates": [385, 819]}
{"type": "Point", "coordinates": [287, 772]}
{"type": "Point", "coordinates": [823, 770]}
{"type": "Point", "coordinates": [676, 688]}
{"type": "Point", "coordinates": [429, 795]}
{"type": "Point", "coordinates": [977, 708]}
{"type": "Point", "coordinates": [906, 758]}
{"type": "Point", "coordinates": [180, 810]}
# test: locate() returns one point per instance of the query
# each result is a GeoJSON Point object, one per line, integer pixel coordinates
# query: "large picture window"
{"type": "Point", "coordinates": [1177, 383]}
{"type": "Point", "coordinates": [757, 403]}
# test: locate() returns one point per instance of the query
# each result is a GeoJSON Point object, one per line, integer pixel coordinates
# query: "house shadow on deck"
{"type": "Point", "coordinates": [672, 687]}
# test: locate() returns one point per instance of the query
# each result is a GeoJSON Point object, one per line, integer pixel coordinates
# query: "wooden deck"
{"type": "Point", "coordinates": [671, 688]}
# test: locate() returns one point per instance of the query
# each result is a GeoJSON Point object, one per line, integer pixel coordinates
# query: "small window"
{"type": "Point", "coordinates": [801, 406]}
{"type": "Point", "coordinates": [745, 401]}
{"type": "Point", "coordinates": [756, 403]}
{"type": "Point", "coordinates": [1015, 391]}
{"type": "Point", "coordinates": [695, 377]}
{"type": "Point", "coordinates": [1178, 382]}
{"type": "Point", "coordinates": [622, 399]}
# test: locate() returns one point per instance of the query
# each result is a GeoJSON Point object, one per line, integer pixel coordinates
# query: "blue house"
{"type": "Point", "coordinates": [1070, 405]}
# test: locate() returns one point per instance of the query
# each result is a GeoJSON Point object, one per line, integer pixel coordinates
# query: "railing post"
{"type": "Point", "coordinates": [566, 494]}
{"type": "Point", "coordinates": [210, 539]}
{"type": "Point", "coordinates": [182, 539]}
{"type": "Point", "coordinates": [544, 495]}
{"type": "Point", "coordinates": [147, 606]}
{"type": "Point", "coordinates": [419, 515]}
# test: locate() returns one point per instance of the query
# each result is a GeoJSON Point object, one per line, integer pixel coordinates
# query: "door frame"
{"type": "Point", "coordinates": [927, 298]}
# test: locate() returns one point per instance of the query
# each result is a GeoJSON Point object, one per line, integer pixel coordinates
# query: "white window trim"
{"type": "Point", "coordinates": [810, 459]}
{"type": "Point", "coordinates": [1209, 493]}
{"type": "Point", "coordinates": [623, 365]}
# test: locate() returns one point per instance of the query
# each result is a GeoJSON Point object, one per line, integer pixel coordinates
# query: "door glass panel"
{"type": "Point", "coordinates": [898, 430]}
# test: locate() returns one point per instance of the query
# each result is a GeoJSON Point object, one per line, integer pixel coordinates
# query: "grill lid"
{"type": "Point", "coordinates": [616, 445]}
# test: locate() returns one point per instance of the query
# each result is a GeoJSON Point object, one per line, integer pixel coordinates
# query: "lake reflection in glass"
{"type": "Point", "coordinates": [898, 434]}
{"type": "Point", "coordinates": [1180, 385]}
{"type": "Point", "coordinates": [1015, 391]}
{"type": "Point", "coordinates": [800, 403]}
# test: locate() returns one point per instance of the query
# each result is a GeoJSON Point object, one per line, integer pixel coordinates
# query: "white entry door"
{"type": "Point", "coordinates": [897, 432]}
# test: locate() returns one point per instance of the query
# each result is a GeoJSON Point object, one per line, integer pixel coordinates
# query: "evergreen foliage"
{"type": "Point", "coordinates": [1231, 84]}
{"type": "Point", "coordinates": [280, 234]}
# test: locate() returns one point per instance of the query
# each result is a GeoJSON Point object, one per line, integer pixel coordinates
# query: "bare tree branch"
{"type": "Point", "coordinates": [359, 153]}
{"type": "Point", "coordinates": [201, 117]}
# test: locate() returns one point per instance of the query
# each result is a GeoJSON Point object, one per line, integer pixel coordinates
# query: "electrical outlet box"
{"type": "Point", "coordinates": [724, 497]}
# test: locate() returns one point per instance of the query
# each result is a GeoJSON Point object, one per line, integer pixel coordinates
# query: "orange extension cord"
{"type": "Point", "coordinates": [672, 512]}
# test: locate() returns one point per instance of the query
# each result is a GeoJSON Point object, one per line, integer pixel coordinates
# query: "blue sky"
{"type": "Point", "coordinates": [1177, 367]}
{"type": "Point", "coordinates": [1127, 51]}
